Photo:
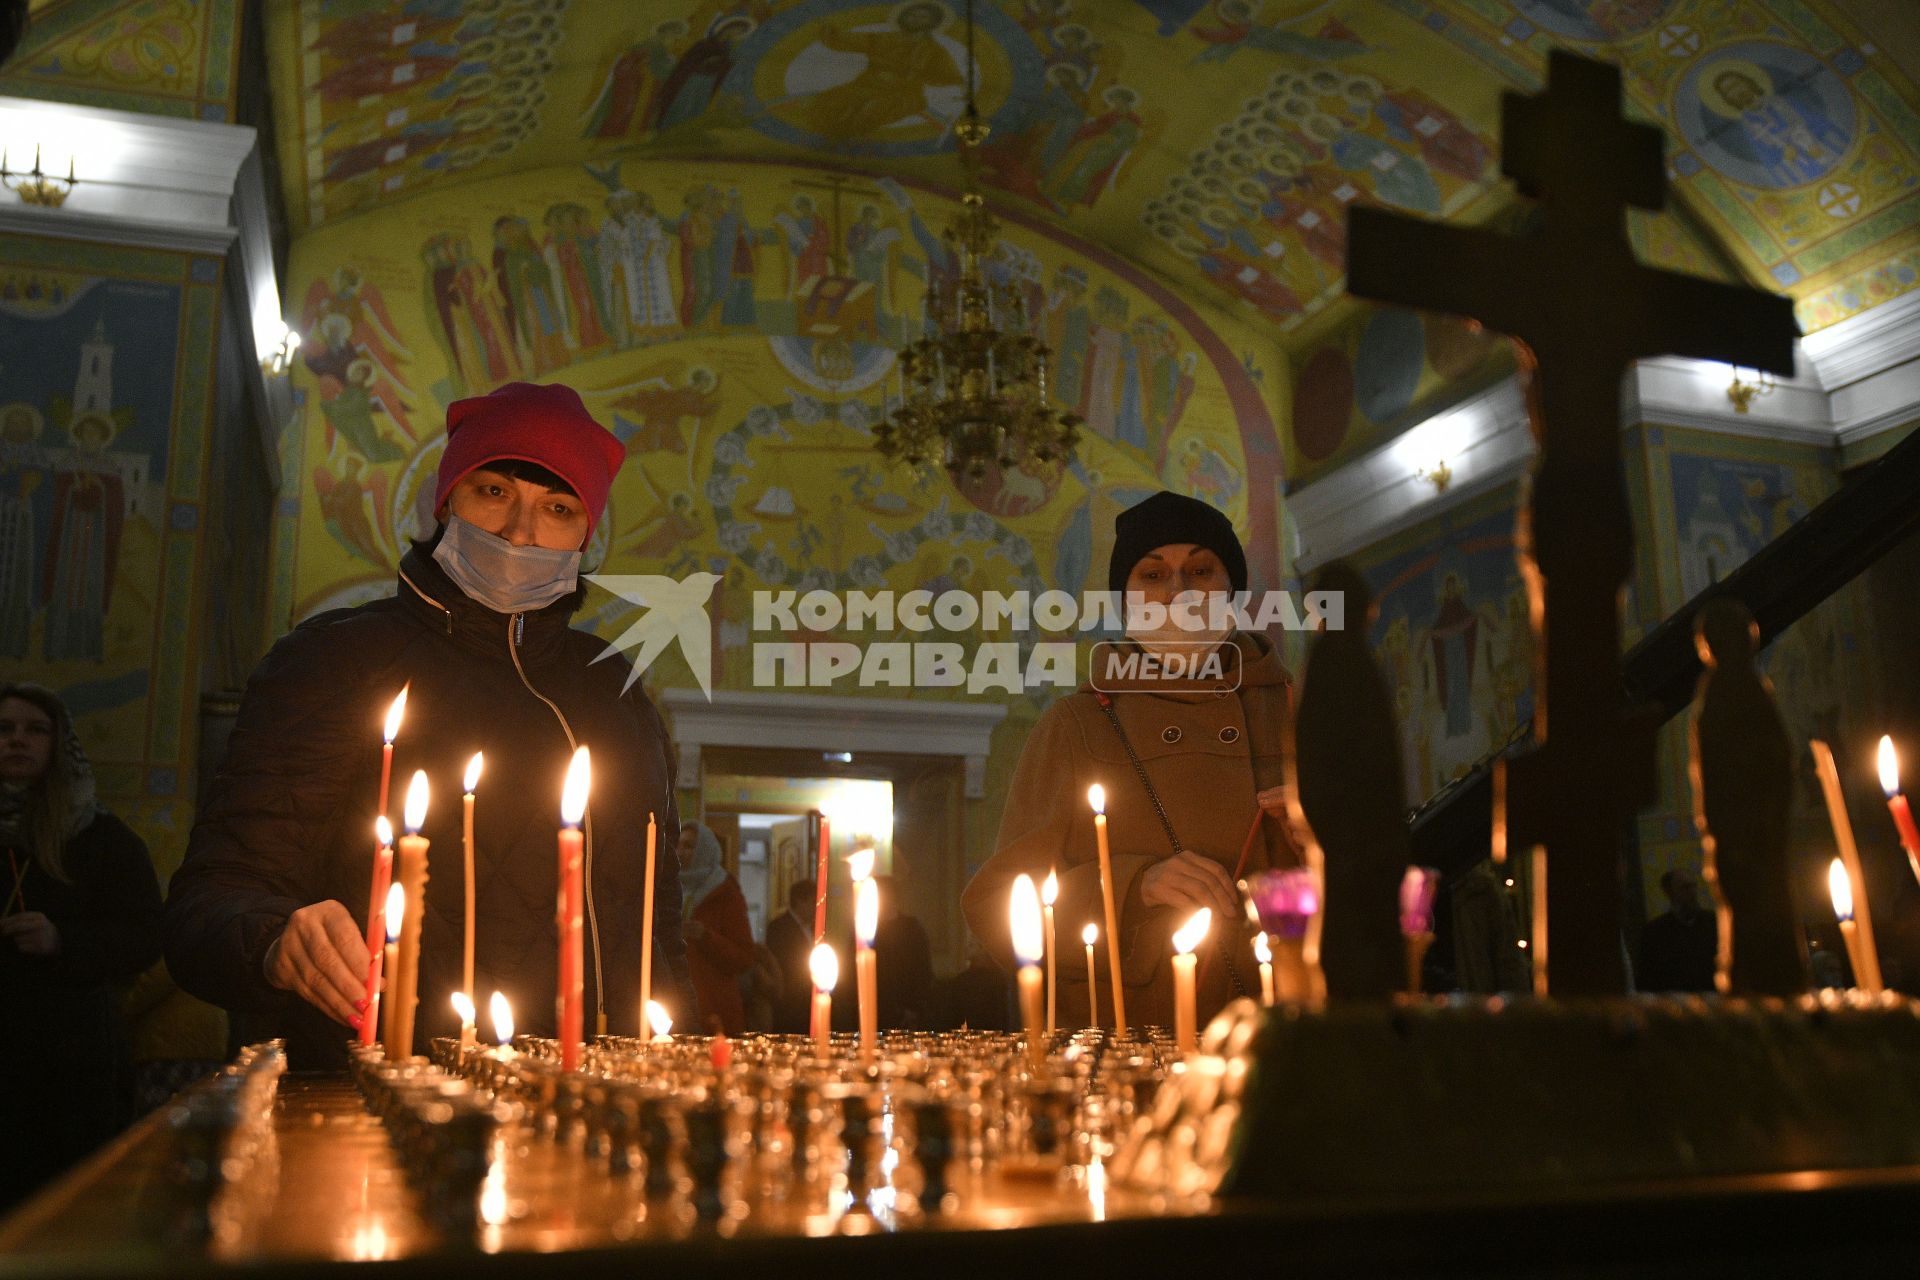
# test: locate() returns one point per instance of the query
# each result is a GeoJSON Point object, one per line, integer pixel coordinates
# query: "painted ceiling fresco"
{"type": "Point", "coordinates": [1214, 142]}
{"type": "Point", "coordinates": [165, 57]}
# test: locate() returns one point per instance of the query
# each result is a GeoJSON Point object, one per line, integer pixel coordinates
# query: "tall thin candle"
{"type": "Point", "coordinates": [382, 878]}
{"type": "Point", "coordinates": [866, 923]}
{"type": "Point", "coordinates": [396, 713]}
{"type": "Point", "coordinates": [1091, 935]}
{"type": "Point", "coordinates": [1868, 971]}
{"type": "Point", "coordinates": [825, 968]}
{"type": "Point", "coordinates": [1897, 804]}
{"type": "Point", "coordinates": [1185, 939]}
{"type": "Point", "coordinates": [1097, 797]}
{"type": "Point", "coordinates": [646, 918]}
{"type": "Point", "coordinates": [820, 880]}
{"type": "Point", "coordinates": [1023, 919]}
{"type": "Point", "coordinates": [472, 780]}
{"type": "Point", "coordinates": [1263, 954]}
{"type": "Point", "coordinates": [410, 867]}
{"type": "Point", "coordinates": [572, 992]}
{"type": "Point", "coordinates": [393, 916]}
{"type": "Point", "coordinates": [1538, 868]}
{"type": "Point", "coordinates": [1841, 888]}
{"type": "Point", "coordinates": [1049, 894]}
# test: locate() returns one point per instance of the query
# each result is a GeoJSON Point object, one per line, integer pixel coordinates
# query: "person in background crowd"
{"type": "Point", "coordinates": [790, 939]}
{"type": "Point", "coordinates": [905, 960]}
{"type": "Point", "coordinates": [1678, 945]}
{"type": "Point", "coordinates": [81, 919]}
{"type": "Point", "coordinates": [719, 935]}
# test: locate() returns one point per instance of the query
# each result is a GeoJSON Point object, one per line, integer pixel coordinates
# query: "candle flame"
{"type": "Point", "coordinates": [396, 911]}
{"type": "Point", "coordinates": [573, 796]}
{"type": "Point", "coordinates": [1190, 934]}
{"type": "Point", "coordinates": [866, 909]}
{"type": "Point", "coordinates": [825, 965]}
{"type": "Point", "coordinates": [860, 864]}
{"type": "Point", "coordinates": [1097, 797]}
{"type": "Point", "coordinates": [474, 766]}
{"type": "Point", "coordinates": [396, 713]}
{"type": "Point", "coordinates": [658, 1018]}
{"type": "Point", "coordinates": [1889, 766]}
{"type": "Point", "coordinates": [463, 1005]}
{"type": "Point", "coordinates": [1090, 934]}
{"type": "Point", "coordinates": [502, 1013]}
{"type": "Point", "coordinates": [1840, 885]}
{"type": "Point", "coordinates": [1262, 949]}
{"type": "Point", "coordinates": [416, 811]}
{"type": "Point", "coordinates": [1050, 890]}
{"type": "Point", "coordinates": [1029, 943]}
{"type": "Point", "coordinates": [383, 831]}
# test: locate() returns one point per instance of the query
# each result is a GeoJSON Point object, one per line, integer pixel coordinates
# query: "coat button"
{"type": "Point", "coordinates": [1229, 734]}
{"type": "Point", "coordinates": [1170, 734]}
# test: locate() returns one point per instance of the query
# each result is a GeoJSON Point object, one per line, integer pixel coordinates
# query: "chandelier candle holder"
{"type": "Point", "coordinates": [36, 187]}
{"type": "Point", "coordinates": [971, 393]}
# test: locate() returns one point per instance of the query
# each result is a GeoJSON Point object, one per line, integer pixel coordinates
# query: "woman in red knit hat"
{"type": "Point", "coordinates": [267, 916]}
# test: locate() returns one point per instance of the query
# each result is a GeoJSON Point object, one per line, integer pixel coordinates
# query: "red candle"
{"type": "Point", "coordinates": [395, 714]}
{"type": "Point", "coordinates": [1897, 804]}
{"type": "Point", "coordinates": [382, 877]}
{"type": "Point", "coordinates": [572, 993]}
{"type": "Point", "coordinates": [646, 924]}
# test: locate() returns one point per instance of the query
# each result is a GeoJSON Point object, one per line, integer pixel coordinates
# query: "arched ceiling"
{"type": "Point", "coordinates": [1214, 142]}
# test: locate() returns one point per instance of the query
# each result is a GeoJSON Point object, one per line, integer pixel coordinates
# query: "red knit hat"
{"type": "Point", "coordinates": [547, 425]}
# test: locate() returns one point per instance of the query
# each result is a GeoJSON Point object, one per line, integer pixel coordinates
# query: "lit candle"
{"type": "Point", "coordinates": [396, 712]}
{"type": "Point", "coordinates": [820, 882]}
{"type": "Point", "coordinates": [826, 972]}
{"type": "Point", "coordinates": [1538, 864]}
{"type": "Point", "coordinates": [866, 922]}
{"type": "Point", "coordinates": [1097, 797]}
{"type": "Point", "coordinates": [1897, 804]}
{"type": "Point", "coordinates": [660, 1021]}
{"type": "Point", "coordinates": [573, 808]}
{"type": "Point", "coordinates": [1023, 916]}
{"type": "Point", "coordinates": [1417, 889]}
{"type": "Point", "coordinates": [466, 951]}
{"type": "Point", "coordinates": [502, 1014]}
{"type": "Point", "coordinates": [1091, 935]}
{"type": "Point", "coordinates": [1840, 886]}
{"type": "Point", "coordinates": [1185, 939]}
{"type": "Point", "coordinates": [1263, 952]}
{"type": "Point", "coordinates": [382, 877]}
{"type": "Point", "coordinates": [394, 915]}
{"type": "Point", "coordinates": [646, 920]}
{"type": "Point", "coordinates": [410, 870]}
{"type": "Point", "coordinates": [1867, 963]}
{"type": "Point", "coordinates": [463, 1006]}
{"type": "Point", "coordinates": [1049, 894]}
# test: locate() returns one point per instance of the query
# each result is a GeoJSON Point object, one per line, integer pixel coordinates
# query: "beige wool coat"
{"type": "Point", "coordinates": [1208, 748]}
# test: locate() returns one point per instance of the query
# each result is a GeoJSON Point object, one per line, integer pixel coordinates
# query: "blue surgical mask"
{"type": "Point", "coordinates": [501, 576]}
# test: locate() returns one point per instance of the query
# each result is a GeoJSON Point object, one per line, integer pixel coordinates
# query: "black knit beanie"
{"type": "Point", "coordinates": [1168, 518]}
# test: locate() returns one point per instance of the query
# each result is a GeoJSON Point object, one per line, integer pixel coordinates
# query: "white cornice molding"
{"type": "Point", "coordinates": [1872, 342]}
{"type": "Point", "coordinates": [130, 165]}
{"type": "Point", "coordinates": [820, 722]}
{"type": "Point", "coordinates": [1672, 391]}
{"type": "Point", "coordinates": [113, 228]}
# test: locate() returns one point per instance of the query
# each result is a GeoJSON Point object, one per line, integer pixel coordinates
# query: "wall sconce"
{"type": "Point", "coordinates": [1744, 394]}
{"type": "Point", "coordinates": [34, 186]}
{"type": "Point", "coordinates": [1439, 475]}
{"type": "Point", "coordinates": [279, 358]}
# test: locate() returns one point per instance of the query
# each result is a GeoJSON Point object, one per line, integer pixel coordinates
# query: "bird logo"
{"type": "Point", "coordinates": [674, 610]}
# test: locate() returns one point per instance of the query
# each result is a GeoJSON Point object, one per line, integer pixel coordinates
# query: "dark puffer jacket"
{"type": "Point", "coordinates": [290, 817]}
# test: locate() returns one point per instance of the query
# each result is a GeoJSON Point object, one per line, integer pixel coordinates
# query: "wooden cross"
{"type": "Point", "coordinates": [1583, 309]}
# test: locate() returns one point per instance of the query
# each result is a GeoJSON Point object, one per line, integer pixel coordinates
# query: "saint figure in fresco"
{"type": "Point", "coordinates": [83, 544]}
{"type": "Point", "coordinates": [691, 83]}
{"type": "Point", "coordinates": [697, 292]}
{"type": "Point", "coordinates": [21, 473]}
{"type": "Point", "coordinates": [868, 244]}
{"type": "Point", "coordinates": [475, 333]}
{"type": "Point", "coordinates": [348, 504]}
{"type": "Point", "coordinates": [1097, 150]}
{"type": "Point", "coordinates": [734, 262]}
{"type": "Point", "coordinates": [1067, 327]}
{"type": "Point", "coordinates": [1782, 128]}
{"type": "Point", "coordinates": [527, 285]}
{"type": "Point", "coordinates": [906, 76]}
{"type": "Point", "coordinates": [624, 94]}
{"type": "Point", "coordinates": [647, 419]}
{"type": "Point", "coordinates": [572, 252]}
{"type": "Point", "coordinates": [635, 254]}
{"type": "Point", "coordinates": [809, 244]}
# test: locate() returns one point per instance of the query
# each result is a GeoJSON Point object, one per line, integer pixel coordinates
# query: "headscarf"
{"type": "Point", "coordinates": [67, 785]}
{"type": "Point", "coordinates": [705, 872]}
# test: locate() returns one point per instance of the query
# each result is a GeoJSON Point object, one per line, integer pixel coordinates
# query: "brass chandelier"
{"type": "Point", "coordinates": [972, 392]}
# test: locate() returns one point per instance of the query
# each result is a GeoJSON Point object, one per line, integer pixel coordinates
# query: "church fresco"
{"type": "Point", "coordinates": [734, 326]}
{"type": "Point", "coordinates": [1234, 133]}
{"type": "Point", "coordinates": [108, 356]}
{"type": "Point", "coordinates": [166, 57]}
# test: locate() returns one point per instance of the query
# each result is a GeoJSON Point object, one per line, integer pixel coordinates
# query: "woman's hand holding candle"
{"type": "Point", "coordinates": [1190, 881]}
{"type": "Point", "coordinates": [321, 957]}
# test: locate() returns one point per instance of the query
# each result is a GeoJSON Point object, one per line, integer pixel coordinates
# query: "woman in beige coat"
{"type": "Point", "coordinates": [1212, 751]}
